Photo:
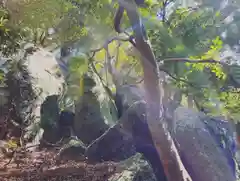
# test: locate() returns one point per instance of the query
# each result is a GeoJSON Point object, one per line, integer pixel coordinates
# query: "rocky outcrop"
{"type": "Point", "coordinates": [113, 145]}
{"type": "Point", "coordinates": [89, 122]}
{"type": "Point", "coordinates": [200, 152]}
{"type": "Point", "coordinates": [128, 136]}
{"type": "Point", "coordinates": [135, 168]}
{"type": "Point", "coordinates": [42, 64]}
{"type": "Point", "coordinates": [89, 126]}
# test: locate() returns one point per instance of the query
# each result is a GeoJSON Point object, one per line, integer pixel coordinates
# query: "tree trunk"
{"type": "Point", "coordinates": [154, 94]}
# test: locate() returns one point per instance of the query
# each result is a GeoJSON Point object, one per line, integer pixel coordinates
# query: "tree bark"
{"type": "Point", "coordinates": [163, 142]}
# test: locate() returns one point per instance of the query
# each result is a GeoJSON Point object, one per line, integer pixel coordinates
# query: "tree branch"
{"type": "Point", "coordinates": [192, 61]}
{"type": "Point", "coordinates": [181, 80]}
{"type": "Point", "coordinates": [110, 40]}
{"type": "Point", "coordinates": [223, 64]}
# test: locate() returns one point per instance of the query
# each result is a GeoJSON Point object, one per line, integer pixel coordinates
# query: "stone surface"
{"type": "Point", "coordinates": [199, 151]}
{"type": "Point", "coordinates": [113, 146]}
{"type": "Point", "coordinates": [135, 168]}
{"type": "Point", "coordinates": [88, 123]}
{"type": "Point", "coordinates": [41, 64]}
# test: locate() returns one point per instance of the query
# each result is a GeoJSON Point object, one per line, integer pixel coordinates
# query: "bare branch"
{"type": "Point", "coordinates": [110, 40]}
{"type": "Point", "coordinates": [181, 80]}
{"type": "Point", "coordinates": [193, 61]}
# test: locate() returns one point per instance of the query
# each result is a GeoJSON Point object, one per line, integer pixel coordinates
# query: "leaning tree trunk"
{"type": "Point", "coordinates": [163, 142]}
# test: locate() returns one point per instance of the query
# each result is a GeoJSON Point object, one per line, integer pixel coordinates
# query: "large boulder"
{"type": "Point", "coordinates": [113, 145]}
{"type": "Point", "coordinates": [126, 96]}
{"type": "Point", "coordinates": [135, 168]}
{"type": "Point", "coordinates": [104, 143]}
{"type": "Point", "coordinates": [89, 123]}
{"type": "Point", "coordinates": [3, 96]}
{"type": "Point", "coordinates": [41, 64]}
{"type": "Point", "coordinates": [222, 132]}
{"type": "Point", "coordinates": [131, 134]}
{"type": "Point", "coordinates": [200, 151]}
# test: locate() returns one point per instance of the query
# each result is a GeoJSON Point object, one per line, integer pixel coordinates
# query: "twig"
{"type": "Point", "coordinates": [181, 80]}
{"type": "Point", "coordinates": [192, 61]}
{"type": "Point", "coordinates": [130, 69]}
{"type": "Point", "coordinates": [17, 150]}
{"type": "Point", "coordinates": [110, 40]}
{"type": "Point", "coordinates": [117, 53]}
{"type": "Point", "coordinates": [53, 144]}
{"type": "Point", "coordinates": [107, 58]}
{"type": "Point", "coordinates": [10, 160]}
{"type": "Point", "coordinates": [109, 93]}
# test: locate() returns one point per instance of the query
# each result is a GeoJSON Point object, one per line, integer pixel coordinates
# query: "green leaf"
{"type": "Point", "coordinates": [199, 78]}
{"type": "Point", "coordinates": [218, 13]}
{"type": "Point", "coordinates": [79, 65]}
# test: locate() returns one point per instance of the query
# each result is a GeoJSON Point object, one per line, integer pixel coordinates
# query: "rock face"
{"type": "Point", "coordinates": [222, 132]}
{"type": "Point", "coordinates": [129, 135]}
{"type": "Point", "coordinates": [3, 95]}
{"type": "Point", "coordinates": [127, 95]}
{"type": "Point", "coordinates": [88, 123]}
{"type": "Point", "coordinates": [130, 104]}
{"type": "Point", "coordinates": [49, 111]}
{"type": "Point", "coordinates": [41, 64]}
{"type": "Point", "coordinates": [200, 152]}
{"type": "Point", "coordinates": [113, 146]}
{"type": "Point", "coordinates": [135, 168]}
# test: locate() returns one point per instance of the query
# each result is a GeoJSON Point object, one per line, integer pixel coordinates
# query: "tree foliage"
{"type": "Point", "coordinates": [177, 33]}
{"type": "Point", "coordinates": [188, 43]}
{"type": "Point", "coordinates": [186, 33]}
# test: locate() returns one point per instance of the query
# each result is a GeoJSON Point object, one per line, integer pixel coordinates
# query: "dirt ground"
{"type": "Point", "coordinates": [45, 167]}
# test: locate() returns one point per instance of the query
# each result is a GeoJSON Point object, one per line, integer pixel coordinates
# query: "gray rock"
{"type": "Point", "coordinates": [89, 123]}
{"type": "Point", "coordinates": [113, 145]}
{"type": "Point", "coordinates": [121, 140]}
{"type": "Point", "coordinates": [3, 96]}
{"type": "Point", "coordinates": [134, 169]}
{"type": "Point", "coordinates": [49, 111]}
{"type": "Point", "coordinates": [29, 47]}
{"type": "Point", "coordinates": [199, 151]}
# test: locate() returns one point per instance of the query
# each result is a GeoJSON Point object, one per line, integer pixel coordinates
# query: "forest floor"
{"type": "Point", "coordinates": [43, 165]}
